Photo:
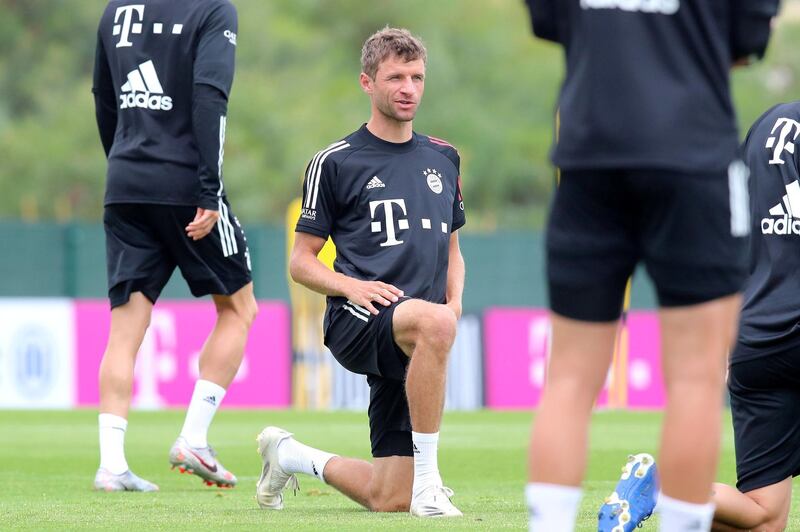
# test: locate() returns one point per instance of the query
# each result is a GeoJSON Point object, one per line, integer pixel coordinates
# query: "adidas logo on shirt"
{"type": "Point", "coordinates": [143, 90]}
{"type": "Point", "coordinates": [375, 183]}
{"type": "Point", "coordinates": [786, 214]}
{"type": "Point", "coordinates": [665, 7]}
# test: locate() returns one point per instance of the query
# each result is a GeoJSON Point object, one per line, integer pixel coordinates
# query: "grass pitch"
{"type": "Point", "coordinates": [48, 461]}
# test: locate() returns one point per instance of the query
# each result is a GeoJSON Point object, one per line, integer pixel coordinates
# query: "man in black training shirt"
{"type": "Point", "coordinates": [646, 147]}
{"type": "Point", "coordinates": [764, 371]}
{"type": "Point", "coordinates": [163, 73]}
{"type": "Point", "coordinates": [390, 199]}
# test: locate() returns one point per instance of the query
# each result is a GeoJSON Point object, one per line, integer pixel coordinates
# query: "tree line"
{"type": "Point", "coordinates": [490, 90]}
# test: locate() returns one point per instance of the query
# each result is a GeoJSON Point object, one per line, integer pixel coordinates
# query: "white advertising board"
{"type": "Point", "coordinates": [37, 353]}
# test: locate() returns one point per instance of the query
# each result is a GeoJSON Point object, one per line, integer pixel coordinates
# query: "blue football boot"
{"type": "Point", "coordinates": [633, 499]}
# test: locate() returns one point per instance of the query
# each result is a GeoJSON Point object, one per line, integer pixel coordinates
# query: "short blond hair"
{"type": "Point", "coordinates": [387, 42]}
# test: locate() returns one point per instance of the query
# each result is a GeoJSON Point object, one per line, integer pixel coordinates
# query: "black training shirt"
{"type": "Point", "coordinates": [390, 209]}
{"type": "Point", "coordinates": [163, 73]}
{"type": "Point", "coordinates": [771, 311]}
{"type": "Point", "coordinates": [646, 81]}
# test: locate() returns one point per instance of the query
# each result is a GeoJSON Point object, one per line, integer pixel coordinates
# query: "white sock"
{"type": "Point", "coordinates": [112, 443]}
{"type": "Point", "coordinates": [680, 516]}
{"type": "Point", "coordinates": [206, 398]}
{"type": "Point", "coordinates": [426, 465]}
{"type": "Point", "coordinates": [552, 507]}
{"type": "Point", "coordinates": [295, 457]}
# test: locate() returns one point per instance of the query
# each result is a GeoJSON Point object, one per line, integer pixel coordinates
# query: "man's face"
{"type": "Point", "coordinates": [397, 88]}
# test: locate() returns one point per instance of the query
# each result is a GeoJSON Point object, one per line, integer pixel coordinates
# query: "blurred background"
{"type": "Point", "coordinates": [491, 90]}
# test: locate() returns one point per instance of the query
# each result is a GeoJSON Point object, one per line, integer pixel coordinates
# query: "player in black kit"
{"type": "Point", "coordinates": [646, 147]}
{"type": "Point", "coordinates": [764, 368]}
{"type": "Point", "coordinates": [163, 74]}
{"type": "Point", "coordinates": [390, 199]}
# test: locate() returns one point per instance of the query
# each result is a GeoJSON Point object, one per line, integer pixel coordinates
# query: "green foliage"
{"type": "Point", "coordinates": [491, 90]}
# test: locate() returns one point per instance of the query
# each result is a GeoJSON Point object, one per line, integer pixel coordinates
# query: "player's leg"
{"type": "Point", "coordinates": [219, 361]}
{"type": "Point", "coordinates": [589, 260]}
{"type": "Point", "coordinates": [386, 481]}
{"type": "Point", "coordinates": [217, 264]}
{"type": "Point", "coordinates": [695, 246]}
{"type": "Point", "coordinates": [425, 332]}
{"type": "Point", "coordinates": [129, 323]}
{"type": "Point", "coordinates": [764, 509]}
{"type": "Point", "coordinates": [580, 356]}
{"type": "Point", "coordinates": [765, 406]}
{"type": "Point", "coordinates": [137, 271]}
{"type": "Point", "coordinates": [695, 344]}
{"type": "Point", "coordinates": [222, 353]}
{"type": "Point", "coordinates": [381, 486]}
{"type": "Point", "coordinates": [363, 344]}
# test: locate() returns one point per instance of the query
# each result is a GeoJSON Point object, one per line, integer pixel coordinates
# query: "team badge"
{"type": "Point", "coordinates": [434, 179]}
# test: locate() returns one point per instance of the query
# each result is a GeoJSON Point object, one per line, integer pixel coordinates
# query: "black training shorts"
{"type": "Point", "coordinates": [681, 226]}
{"type": "Point", "coordinates": [765, 404]}
{"type": "Point", "coordinates": [145, 242]}
{"type": "Point", "coordinates": [364, 343]}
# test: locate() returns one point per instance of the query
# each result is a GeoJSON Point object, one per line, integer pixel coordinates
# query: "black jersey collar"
{"type": "Point", "coordinates": [385, 145]}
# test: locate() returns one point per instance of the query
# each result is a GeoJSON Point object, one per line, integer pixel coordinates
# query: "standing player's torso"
{"type": "Point", "coordinates": [646, 85]}
{"type": "Point", "coordinates": [150, 46]}
{"type": "Point", "coordinates": [771, 313]}
{"type": "Point", "coordinates": [395, 216]}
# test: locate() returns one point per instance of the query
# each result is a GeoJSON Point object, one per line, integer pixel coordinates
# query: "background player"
{"type": "Point", "coordinates": [646, 147]}
{"type": "Point", "coordinates": [764, 372]}
{"type": "Point", "coordinates": [390, 199]}
{"type": "Point", "coordinates": [163, 73]}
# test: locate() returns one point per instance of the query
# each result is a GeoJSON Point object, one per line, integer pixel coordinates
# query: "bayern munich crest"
{"type": "Point", "coordinates": [434, 179]}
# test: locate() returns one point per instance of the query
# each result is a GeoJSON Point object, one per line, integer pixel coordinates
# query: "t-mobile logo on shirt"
{"type": "Point", "coordinates": [664, 7]}
{"type": "Point", "coordinates": [389, 220]}
{"type": "Point", "coordinates": [787, 132]}
{"type": "Point", "coordinates": [125, 23]}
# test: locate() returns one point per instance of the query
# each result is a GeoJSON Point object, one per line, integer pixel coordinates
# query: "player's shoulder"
{"type": "Point", "coordinates": [788, 113]}
{"type": "Point", "coordinates": [218, 8]}
{"type": "Point", "coordinates": [213, 4]}
{"type": "Point", "coordinates": [339, 150]}
{"type": "Point", "coordinates": [441, 146]}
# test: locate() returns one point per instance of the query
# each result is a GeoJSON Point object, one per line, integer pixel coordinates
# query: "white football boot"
{"type": "Point", "coordinates": [273, 480]}
{"type": "Point", "coordinates": [105, 480]}
{"type": "Point", "coordinates": [434, 501]}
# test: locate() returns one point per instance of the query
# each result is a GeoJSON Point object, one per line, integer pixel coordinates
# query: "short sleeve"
{"type": "Point", "coordinates": [545, 19]}
{"type": "Point", "coordinates": [216, 48]}
{"type": "Point", "coordinates": [459, 217]}
{"type": "Point", "coordinates": [318, 208]}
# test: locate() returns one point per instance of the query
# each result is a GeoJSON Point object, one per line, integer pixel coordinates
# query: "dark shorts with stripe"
{"type": "Point", "coordinates": [689, 230]}
{"type": "Point", "coordinates": [146, 242]}
{"type": "Point", "coordinates": [765, 405]}
{"type": "Point", "coordinates": [364, 344]}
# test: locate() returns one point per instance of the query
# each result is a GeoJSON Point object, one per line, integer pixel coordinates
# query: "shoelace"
{"type": "Point", "coordinates": [447, 491]}
{"type": "Point", "coordinates": [292, 483]}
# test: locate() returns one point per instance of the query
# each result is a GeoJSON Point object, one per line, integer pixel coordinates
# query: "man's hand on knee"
{"type": "Point", "coordinates": [365, 293]}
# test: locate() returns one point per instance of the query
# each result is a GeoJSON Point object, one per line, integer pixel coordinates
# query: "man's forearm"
{"type": "Point", "coordinates": [311, 273]}
{"type": "Point", "coordinates": [456, 271]}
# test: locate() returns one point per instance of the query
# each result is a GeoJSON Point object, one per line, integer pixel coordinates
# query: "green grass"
{"type": "Point", "coordinates": [48, 460]}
